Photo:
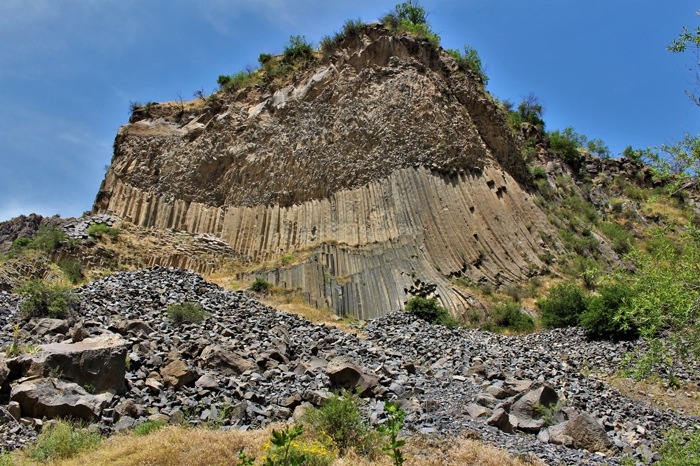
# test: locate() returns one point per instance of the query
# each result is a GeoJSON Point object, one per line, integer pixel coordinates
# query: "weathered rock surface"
{"type": "Point", "coordinates": [53, 398]}
{"type": "Point", "coordinates": [344, 373]}
{"type": "Point", "coordinates": [432, 193]}
{"type": "Point", "coordinates": [587, 433]}
{"type": "Point", "coordinates": [98, 362]}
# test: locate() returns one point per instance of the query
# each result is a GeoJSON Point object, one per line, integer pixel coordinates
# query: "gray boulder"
{"type": "Point", "coordinates": [526, 409]}
{"type": "Point", "coordinates": [344, 373]}
{"type": "Point", "coordinates": [587, 434]}
{"type": "Point", "coordinates": [501, 419]}
{"type": "Point", "coordinates": [50, 326]}
{"type": "Point", "coordinates": [226, 362]}
{"type": "Point", "coordinates": [53, 398]}
{"type": "Point", "coordinates": [99, 362]}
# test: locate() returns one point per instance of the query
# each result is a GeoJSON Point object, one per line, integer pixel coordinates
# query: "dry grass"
{"type": "Point", "coordinates": [684, 400]}
{"type": "Point", "coordinates": [173, 446]}
{"type": "Point", "coordinates": [176, 446]}
{"type": "Point", "coordinates": [295, 304]}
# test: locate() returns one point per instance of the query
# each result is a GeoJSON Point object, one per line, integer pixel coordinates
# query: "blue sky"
{"type": "Point", "coordinates": [69, 68]}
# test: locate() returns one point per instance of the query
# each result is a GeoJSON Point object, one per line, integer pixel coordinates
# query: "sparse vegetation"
{"type": "Point", "coordinates": [47, 238]}
{"type": "Point", "coordinates": [100, 229]}
{"type": "Point", "coordinates": [509, 316]}
{"type": "Point", "coordinates": [73, 270]}
{"type": "Point", "coordinates": [260, 285]}
{"type": "Point", "coordinates": [63, 440]}
{"type": "Point", "coordinates": [186, 313]}
{"type": "Point", "coordinates": [42, 299]}
{"type": "Point", "coordinates": [340, 419]}
{"type": "Point", "coordinates": [429, 309]}
{"type": "Point", "coordinates": [470, 60]}
{"type": "Point", "coordinates": [411, 17]}
{"type": "Point", "coordinates": [148, 427]}
{"type": "Point", "coordinates": [296, 50]}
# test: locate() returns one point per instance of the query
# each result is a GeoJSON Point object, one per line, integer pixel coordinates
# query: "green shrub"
{"type": "Point", "coordinates": [352, 27]}
{"type": "Point", "coordinates": [187, 312]}
{"type": "Point", "coordinates": [341, 420]}
{"type": "Point", "coordinates": [285, 448]}
{"type": "Point", "coordinates": [470, 60]}
{"type": "Point", "coordinates": [429, 309]}
{"type": "Point", "coordinates": [567, 142]}
{"type": "Point", "coordinates": [47, 239]}
{"type": "Point", "coordinates": [100, 229]}
{"type": "Point", "coordinates": [42, 299]}
{"type": "Point", "coordinates": [509, 315]}
{"type": "Point", "coordinates": [287, 259]}
{"type": "Point", "coordinates": [63, 440]}
{"type": "Point", "coordinates": [297, 49]}
{"type": "Point", "coordinates": [602, 317]}
{"type": "Point", "coordinates": [73, 270]}
{"type": "Point", "coordinates": [237, 81]}
{"type": "Point", "coordinates": [411, 17]}
{"type": "Point", "coordinates": [681, 448]}
{"type": "Point", "coordinates": [621, 240]}
{"type": "Point", "coordinates": [147, 427]}
{"type": "Point", "coordinates": [563, 306]}
{"type": "Point", "coordinates": [6, 459]}
{"type": "Point", "coordinates": [260, 285]}
{"type": "Point", "coordinates": [539, 173]}
{"type": "Point", "coordinates": [263, 58]}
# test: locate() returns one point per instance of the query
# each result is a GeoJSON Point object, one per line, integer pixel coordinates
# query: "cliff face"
{"type": "Point", "coordinates": [396, 168]}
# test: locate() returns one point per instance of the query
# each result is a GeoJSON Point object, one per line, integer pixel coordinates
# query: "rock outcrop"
{"type": "Point", "coordinates": [390, 163]}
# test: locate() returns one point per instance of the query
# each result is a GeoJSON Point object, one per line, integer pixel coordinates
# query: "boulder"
{"type": "Point", "coordinates": [587, 434]}
{"type": "Point", "coordinates": [99, 362]}
{"type": "Point", "coordinates": [344, 373]}
{"type": "Point", "coordinates": [476, 411]}
{"type": "Point", "coordinates": [226, 362]}
{"type": "Point", "coordinates": [176, 374]}
{"type": "Point", "coordinates": [515, 386]}
{"type": "Point", "coordinates": [501, 420]}
{"type": "Point", "coordinates": [50, 326]}
{"type": "Point", "coordinates": [53, 398]}
{"type": "Point", "coordinates": [526, 408]}
{"type": "Point", "coordinates": [207, 381]}
{"type": "Point", "coordinates": [4, 371]}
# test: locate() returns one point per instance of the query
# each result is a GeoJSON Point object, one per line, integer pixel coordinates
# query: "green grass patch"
{"type": "Point", "coordinates": [148, 427]}
{"type": "Point", "coordinates": [63, 440]}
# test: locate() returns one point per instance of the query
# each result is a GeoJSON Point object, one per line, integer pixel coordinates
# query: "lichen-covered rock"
{"type": "Point", "coordinates": [587, 433]}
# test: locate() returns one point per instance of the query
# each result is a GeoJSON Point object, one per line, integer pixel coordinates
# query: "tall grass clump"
{"type": "Point", "coordinates": [63, 440]}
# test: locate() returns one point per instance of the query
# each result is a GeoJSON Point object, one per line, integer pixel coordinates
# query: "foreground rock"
{"type": "Point", "coordinates": [98, 362]}
{"type": "Point", "coordinates": [52, 398]}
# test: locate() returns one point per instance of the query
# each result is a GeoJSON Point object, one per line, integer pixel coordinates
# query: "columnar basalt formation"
{"type": "Point", "coordinates": [396, 168]}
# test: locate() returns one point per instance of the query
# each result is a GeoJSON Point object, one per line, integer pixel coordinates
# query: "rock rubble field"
{"type": "Point", "coordinates": [119, 360]}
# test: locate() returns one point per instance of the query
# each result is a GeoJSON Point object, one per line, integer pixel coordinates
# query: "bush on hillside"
{"type": "Point", "coordinates": [567, 142]}
{"type": "Point", "coordinates": [42, 299]}
{"type": "Point", "coordinates": [296, 50]}
{"type": "Point", "coordinates": [620, 239]}
{"type": "Point", "coordinates": [187, 312]}
{"type": "Point", "coordinates": [73, 270]}
{"type": "Point", "coordinates": [563, 306]}
{"type": "Point", "coordinates": [510, 316]}
{"type": "Point", "coordinates": [429, 309]}
{"type": "Point", "coordinates": [260, 285]}
{"type": "Point", "coordinates": [47, 238]}
{"type": "Point", "coordinates": [341, 420]}
{"type": "Point", "coordinates": [602, 317]}
{"type": "Point", "coordinates": [470, 60]}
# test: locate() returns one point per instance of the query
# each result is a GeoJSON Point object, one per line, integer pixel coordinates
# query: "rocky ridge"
{"type": "Point", "coordinates": [386, 159]}
{"type": "Point", "coordinates": [249, 365]}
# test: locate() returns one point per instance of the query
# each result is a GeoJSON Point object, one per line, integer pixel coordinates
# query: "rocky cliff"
{"type": "Point", "coordinates": [393, 166]}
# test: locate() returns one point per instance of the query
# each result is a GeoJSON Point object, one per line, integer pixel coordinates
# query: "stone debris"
{"type": "Point", "coordinates": [248, 365]}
